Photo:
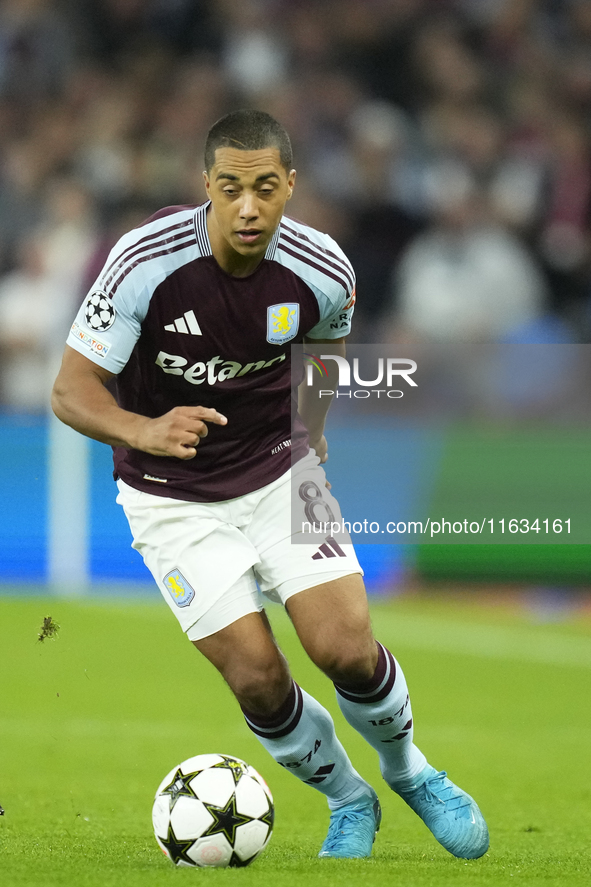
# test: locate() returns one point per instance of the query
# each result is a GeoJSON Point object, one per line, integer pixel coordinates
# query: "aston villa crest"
{"type": "Point", "coordinates": [283, 322]}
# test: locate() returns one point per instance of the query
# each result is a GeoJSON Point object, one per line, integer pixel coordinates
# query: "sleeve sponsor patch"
{"type": "Point", "coordinates": [352, 300]}
{"type": "Point", "coordinates": [99, 312]}
{"type": "Point", "coordinates": [93, 344]}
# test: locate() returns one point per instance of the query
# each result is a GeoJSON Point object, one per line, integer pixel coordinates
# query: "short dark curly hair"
{"type": "Point", "coordinates": [248, 130]}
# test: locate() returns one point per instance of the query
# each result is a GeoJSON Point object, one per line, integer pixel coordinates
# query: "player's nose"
{"type": "Point", "coordinates": [248, 206]}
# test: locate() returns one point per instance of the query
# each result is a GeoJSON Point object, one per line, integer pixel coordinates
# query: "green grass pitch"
{"type": "Point", "coordinates": [92, 720]}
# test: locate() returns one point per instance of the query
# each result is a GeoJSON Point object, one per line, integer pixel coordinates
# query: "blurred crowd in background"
{"type": "Point", "coordinates": [445, 144]}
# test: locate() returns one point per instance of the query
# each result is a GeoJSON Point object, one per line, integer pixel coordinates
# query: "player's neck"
{"type": "Point", "coordinates": [233, 263]}
{"type": "Point", "coordinates": [227, 258]}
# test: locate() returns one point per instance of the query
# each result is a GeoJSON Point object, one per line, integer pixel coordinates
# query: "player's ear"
{"type": "Point", "coordinates": [206, 180]}
{"type": "Point", "coordinates": [290, 182]}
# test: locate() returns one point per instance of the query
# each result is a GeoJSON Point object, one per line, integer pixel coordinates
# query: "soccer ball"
{"type": "Point", "coordinates": [99, 313]}
{"type": "Point", "coordinates": [213, 811]}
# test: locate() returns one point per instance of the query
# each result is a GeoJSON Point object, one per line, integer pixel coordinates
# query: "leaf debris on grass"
{"type": "Point", "coordinates": [49, 629]}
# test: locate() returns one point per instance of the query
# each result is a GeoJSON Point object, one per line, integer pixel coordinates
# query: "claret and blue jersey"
{"type": "Point", "coordinates": [180, 331]}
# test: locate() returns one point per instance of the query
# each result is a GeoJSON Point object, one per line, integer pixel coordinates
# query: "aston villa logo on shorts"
{"type": "Point", "coordinates": [178, 588]}
{"type": "Point", "coordinates": [283, 322]}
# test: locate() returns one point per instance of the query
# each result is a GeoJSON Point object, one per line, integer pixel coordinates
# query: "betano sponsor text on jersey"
{"type": "Point", "coordinates": [175, 364]}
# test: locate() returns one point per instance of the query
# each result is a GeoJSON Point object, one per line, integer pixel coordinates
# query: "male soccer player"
{"type": "Point", "coordinates": [194, 314]}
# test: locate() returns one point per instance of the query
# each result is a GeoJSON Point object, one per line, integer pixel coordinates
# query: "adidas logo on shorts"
{"type": "Point", "coordinates": [329, 548]}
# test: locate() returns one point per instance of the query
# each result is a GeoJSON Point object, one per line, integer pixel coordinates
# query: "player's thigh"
{"type": "Point", "coordinates": [318, 579]}
{"type": "Point", "coordinates": [292, 559]}
{"type": "Point", "coordinates": [333, 623]}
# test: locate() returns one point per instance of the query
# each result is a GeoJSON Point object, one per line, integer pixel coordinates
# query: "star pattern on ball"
{"type": "Point", "coordinates": [237, 768]}
{"type": "Point", "coordinates": [237, 863]}
{"type": "Point", "coordinates": [269, 817]}
{"type": "Point", "coordinates": [180, 787]}
{"type": "Point", "coordinates": [225, 820]}
{"type": "Point", "coordinates": [177, 850]}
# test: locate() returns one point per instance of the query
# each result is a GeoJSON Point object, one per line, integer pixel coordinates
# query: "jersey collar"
{"type": "Point", "coordinates": [201, 230]}
{"type": "Point", "coordinates": [270, 254]}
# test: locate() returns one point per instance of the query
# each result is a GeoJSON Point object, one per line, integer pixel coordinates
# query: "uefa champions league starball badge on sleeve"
{"type": "Point", "coordinates": [99, 312]}
{"type": "Point", "coordinates": [213, 811]}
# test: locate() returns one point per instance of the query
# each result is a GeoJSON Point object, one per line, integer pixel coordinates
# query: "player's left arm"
{"type": "Point", "coordinates": [312, 406]}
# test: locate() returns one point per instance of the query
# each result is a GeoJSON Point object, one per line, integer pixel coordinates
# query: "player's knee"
{"type": "Point", "coordinates": [261, 687]}
{"type": "Point", "coordinates": [349, 664]}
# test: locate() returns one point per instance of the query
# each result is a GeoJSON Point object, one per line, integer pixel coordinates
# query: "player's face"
{"type": "Point", "coordinates": [248, 192]}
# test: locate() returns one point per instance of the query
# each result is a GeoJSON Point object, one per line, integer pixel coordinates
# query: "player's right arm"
{"type": "Point", "coordinates": [81, 400]}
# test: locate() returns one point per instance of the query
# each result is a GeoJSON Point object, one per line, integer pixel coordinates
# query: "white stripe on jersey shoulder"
{"type": "Point", "coordinates": [315, 257]}
{"type": "Point", "coordinates": [148, 254]}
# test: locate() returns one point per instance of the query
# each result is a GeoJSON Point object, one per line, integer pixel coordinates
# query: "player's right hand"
{"type": "Point", "coordinates": [178, 432]}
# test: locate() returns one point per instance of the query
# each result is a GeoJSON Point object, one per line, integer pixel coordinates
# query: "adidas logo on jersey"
{"type": "Point", "coordinates": [186, 324]}
{"type": "Point", "coordinates": [329, 548]}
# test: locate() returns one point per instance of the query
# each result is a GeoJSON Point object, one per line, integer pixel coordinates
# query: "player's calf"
{"type": "Point", "coordinates": [300, 736]}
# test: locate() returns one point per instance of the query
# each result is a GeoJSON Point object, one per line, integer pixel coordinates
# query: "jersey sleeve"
{"type": "Point", "coordinates": [108, 323]}
{"type": "Point", "coordinates": [335, 314]}
{"type": "Point", "coordinates": [335, 293]}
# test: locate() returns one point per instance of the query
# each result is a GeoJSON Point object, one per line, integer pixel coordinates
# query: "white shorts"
{"type": "Point", "coordinates": [207, 557]}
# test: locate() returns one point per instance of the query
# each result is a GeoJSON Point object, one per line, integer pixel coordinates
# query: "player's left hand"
{"type": "Point", "coordinates": [320, 447]}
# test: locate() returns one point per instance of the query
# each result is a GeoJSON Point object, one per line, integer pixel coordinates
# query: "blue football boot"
{"type": "Point", "coordinates": [352, 829]}
{"type": "Point", "coordinates": [451, 814]}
